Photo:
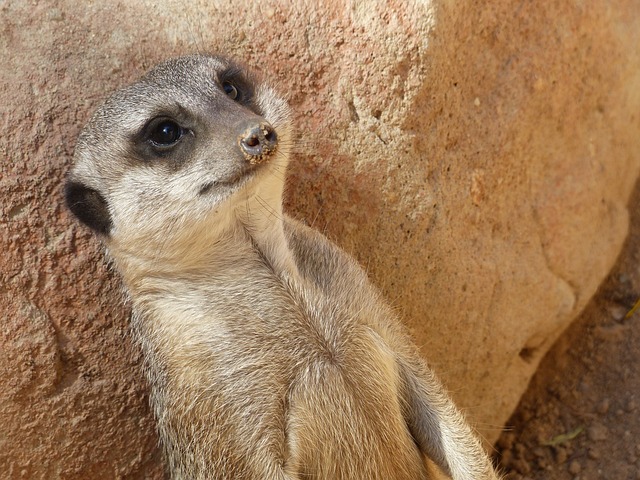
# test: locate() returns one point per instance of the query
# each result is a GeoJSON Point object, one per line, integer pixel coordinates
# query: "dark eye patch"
{"type": "Point", "coordinates": [236, 85]}
{"type": "Point", "coordinates": [165, 133]}
{"type": "Point", "coordinates": [230, 90]}
{"type": "Point", "coordinates": [161, 136]}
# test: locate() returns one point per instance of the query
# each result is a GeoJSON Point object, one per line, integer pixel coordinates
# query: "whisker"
{"type": "Point", "coordinates": [248, 210]}
{"type": "Point", "coordinates": [315, 219]}
{"type": "Point", "coordinates": [275, 172]}
{"type": "Point", "coordinates": [270, 210]}
{"type": "Point", "coordinates": [191, 32]}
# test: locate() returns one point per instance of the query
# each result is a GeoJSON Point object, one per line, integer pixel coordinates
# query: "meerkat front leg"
{"type": "Point", "coordinates": [439, 428]}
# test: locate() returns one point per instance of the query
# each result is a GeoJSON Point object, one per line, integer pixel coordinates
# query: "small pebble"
{"type": "Point", "coordinates": [522, 466]}
{"type": "Point", "coordinates": [584, 387]}
{"type": "Point", "coordinates": [540, 452]}
{"type": "Point", "coordinates": [632, 405]}
{"type": "Point", "coordinates": [574, 467]}
{"type": "Point", "coordinates": [604, 405]}
{"type": "Point", "coordinates": [617, 312]}
{"type": "Point", "coordinates": [597, 432]}
{"type": "Point", "coordinates": [561, 456]}
{"type": "Point", "coordinates": [594, 454]}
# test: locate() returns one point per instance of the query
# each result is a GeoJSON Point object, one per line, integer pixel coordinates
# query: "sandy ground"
{"type": "Point", "coordinates": [580, 418]}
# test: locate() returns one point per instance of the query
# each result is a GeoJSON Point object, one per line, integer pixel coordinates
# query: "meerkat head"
{"type": "Point", "coordinates": [188, 144]}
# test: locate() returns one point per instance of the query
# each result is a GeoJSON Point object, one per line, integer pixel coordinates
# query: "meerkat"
{"type": "Point", "coordinates": [269, 353]}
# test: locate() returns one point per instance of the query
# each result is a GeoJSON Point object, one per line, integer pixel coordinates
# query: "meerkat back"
{"type": "Point", "coordinates": [268, 352]}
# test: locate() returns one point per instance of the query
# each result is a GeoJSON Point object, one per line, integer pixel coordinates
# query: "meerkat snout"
{"type": "Point", "coordinates": [258, 142]}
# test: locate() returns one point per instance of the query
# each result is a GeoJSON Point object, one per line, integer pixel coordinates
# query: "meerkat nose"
{"type": "Point", "coordinates": [258, 141]}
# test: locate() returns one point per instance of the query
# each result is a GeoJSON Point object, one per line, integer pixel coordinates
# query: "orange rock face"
{"type": "Point", "coordinates": [477, 159]}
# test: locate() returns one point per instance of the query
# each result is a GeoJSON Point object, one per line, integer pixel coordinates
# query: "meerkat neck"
{"type": "Point", "coordinates": [260, 214]}
{"type": "Point", "coordinates": [210, 249]}
{"type": "Point", "coordinates": [272, 245]}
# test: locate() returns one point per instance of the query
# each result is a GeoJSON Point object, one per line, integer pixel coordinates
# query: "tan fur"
{"type": "Point", "coordinates": [269, 353]}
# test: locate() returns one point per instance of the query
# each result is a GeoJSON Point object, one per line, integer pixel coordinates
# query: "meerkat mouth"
{"type": "Point", "coordinates": [235, 181]}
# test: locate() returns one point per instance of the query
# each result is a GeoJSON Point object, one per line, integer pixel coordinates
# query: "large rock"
{"type": "Point", "coordinates": [476, 158]}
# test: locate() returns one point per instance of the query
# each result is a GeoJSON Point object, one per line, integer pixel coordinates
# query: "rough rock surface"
{"type": "Point", "coordinates": [579, 417]}
{"type": "Point", "coordinates": [477, 159]}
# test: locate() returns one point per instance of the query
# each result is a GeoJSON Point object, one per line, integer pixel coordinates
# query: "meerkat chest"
{"type": "Point", "coordinates": [236, 318]}
{"type": "Point", "coordinates": [250, 345]}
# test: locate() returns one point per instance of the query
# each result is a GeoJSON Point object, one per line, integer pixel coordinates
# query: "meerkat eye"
{"type": "Point", "coordinates": [166, 133]}
{"type": "Point", "coordinates": [230, 90]}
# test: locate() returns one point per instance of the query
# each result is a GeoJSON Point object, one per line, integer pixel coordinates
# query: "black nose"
{"type": "Point", "coordinates": [258, 141]}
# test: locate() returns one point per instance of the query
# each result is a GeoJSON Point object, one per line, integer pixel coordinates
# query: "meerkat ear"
{"type": "Point", "coordinates": [89, 206]}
